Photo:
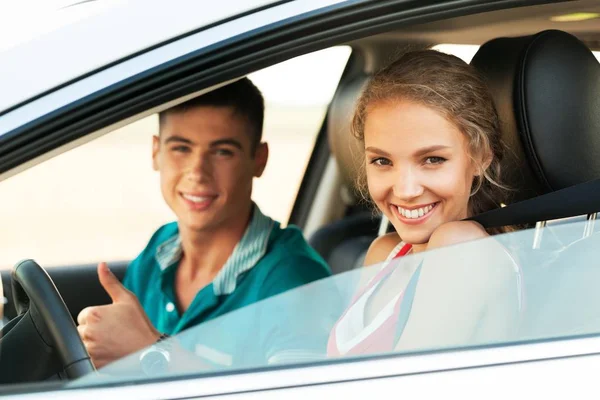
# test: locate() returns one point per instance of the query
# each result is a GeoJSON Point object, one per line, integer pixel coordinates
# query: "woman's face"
{"type": "Point", "coordinates": [419, 172]}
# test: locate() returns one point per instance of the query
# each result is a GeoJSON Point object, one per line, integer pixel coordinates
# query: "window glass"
{"type": "Point", "coordinates": [462, 51]}
{"type": "Point", "coordinates": [102, 201]}
{"type": "Point", "coordinates": [490, 292]}
{"type": "Point", "coordinates": [297, 93]}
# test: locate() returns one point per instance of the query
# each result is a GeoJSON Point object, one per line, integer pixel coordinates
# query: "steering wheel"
{"type": "Point", "coordinates": [34, 293]}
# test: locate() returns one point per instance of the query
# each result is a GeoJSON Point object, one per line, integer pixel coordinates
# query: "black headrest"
{"type": "Point", "coordinates": [546, 88]}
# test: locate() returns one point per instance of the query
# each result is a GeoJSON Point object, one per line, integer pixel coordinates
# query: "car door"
{"type": "Point", "coordinates": [552, 349]}
{"type": "Point", "coordinates": [86, 107]}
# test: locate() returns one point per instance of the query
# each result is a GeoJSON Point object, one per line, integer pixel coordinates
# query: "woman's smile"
{"type": "Point", "coordinates": [413, 215]}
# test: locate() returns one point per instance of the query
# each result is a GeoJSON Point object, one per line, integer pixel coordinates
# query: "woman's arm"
{"type": "Point", "coordinates": [465, 295]}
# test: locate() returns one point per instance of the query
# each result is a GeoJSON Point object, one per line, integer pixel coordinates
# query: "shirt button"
{"type": "Point", "coordinates": [170, 307]}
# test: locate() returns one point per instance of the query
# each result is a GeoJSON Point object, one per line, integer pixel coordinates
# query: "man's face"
{"type": "Point", "coordinates": [206, 166]}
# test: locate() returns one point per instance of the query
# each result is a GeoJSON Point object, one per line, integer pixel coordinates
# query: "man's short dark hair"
{"type": "Point", "coordinates": [242, 96]}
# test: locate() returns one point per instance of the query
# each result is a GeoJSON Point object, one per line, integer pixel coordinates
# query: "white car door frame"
{"type": "Point", "coordinates": [137, 86]}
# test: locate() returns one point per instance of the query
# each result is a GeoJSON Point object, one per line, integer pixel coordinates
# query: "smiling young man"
{"type": "Point", "coordinates": [222, 253]}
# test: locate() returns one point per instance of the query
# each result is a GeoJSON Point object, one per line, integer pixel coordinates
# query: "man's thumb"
{"type": "Point", "coordinates": [110, 283]}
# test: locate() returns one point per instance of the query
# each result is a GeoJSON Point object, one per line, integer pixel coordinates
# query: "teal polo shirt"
{"type": "Point", "coordinates": [267, 261]}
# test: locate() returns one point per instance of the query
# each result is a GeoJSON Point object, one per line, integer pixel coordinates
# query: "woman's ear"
{"type": "Point", "coordinates": [482, 163]}
{"type": "Point", "coordinates": [487, 162]}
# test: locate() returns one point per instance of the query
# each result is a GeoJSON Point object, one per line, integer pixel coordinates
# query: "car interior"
{"type": "Point", "coordinates": [545, 82]}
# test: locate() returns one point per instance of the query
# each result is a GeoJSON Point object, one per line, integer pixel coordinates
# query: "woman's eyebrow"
{"type": "Point", "coordinates": [378, 151]}
{"type": "Point", "coordinates": [430, 149]}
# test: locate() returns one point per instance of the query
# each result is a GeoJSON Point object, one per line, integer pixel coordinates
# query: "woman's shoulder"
{"type": "Point", "coordinates": [456, 232]}
{"type": "Point", "coordinates": [381, 248]}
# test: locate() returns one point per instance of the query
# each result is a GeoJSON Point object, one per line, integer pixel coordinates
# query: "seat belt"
{"type": "Point", "coordinates": [580, 199]}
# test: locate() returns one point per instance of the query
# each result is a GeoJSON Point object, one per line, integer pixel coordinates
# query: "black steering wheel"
{"type": "Point", "coordinates": [42, 313]}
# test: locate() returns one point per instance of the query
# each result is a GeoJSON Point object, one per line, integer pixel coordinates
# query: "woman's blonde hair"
{"type": "Point", "coordinates": [453, 88]}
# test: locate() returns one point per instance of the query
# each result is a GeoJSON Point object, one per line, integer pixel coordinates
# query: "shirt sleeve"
{"type": "Point", "coordinates": [292, 273]}
{"type": "Point", "coordinates": [130, 273]}
{"type": "Point", "coordinates": [296, 322]}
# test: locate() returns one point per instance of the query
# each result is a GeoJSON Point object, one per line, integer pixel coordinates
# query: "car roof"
{"type": "Point", "coordinates": [77, 38]}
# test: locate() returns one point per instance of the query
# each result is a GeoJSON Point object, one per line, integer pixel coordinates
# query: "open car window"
{"type": "Point", "coordinates": [493, 292]}
{"type": "Point", "coordinates": [103, 219]}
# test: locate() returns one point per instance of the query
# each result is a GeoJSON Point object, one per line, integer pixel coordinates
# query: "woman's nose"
{"type": "Point", "coordinates": [407, 184]}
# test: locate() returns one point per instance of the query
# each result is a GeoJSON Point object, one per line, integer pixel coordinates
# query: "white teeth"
{"type": "Point", "coordinates": [195, 199]}
{"type": "Point", "coordinates": [416, 213]}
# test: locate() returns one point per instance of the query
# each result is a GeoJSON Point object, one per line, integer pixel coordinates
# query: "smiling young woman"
{"type": "Point", "coordinates": [432, 152]}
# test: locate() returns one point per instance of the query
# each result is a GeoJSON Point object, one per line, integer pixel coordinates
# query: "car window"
{"type": "Point", "coordinates": [101, 201]}
{"type": "Point", "coordinates": [490, 292]}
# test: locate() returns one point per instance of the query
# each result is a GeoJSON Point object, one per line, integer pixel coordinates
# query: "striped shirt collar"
{"type": "Point", "coordinates": [249, 250]}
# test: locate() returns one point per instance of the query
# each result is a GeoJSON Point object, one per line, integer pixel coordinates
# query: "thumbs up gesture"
{"type": "Point", "coordinates": [113, 331]}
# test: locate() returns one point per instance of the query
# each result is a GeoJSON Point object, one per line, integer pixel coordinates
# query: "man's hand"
{"type": "Point", "coordinates": [113, 331]}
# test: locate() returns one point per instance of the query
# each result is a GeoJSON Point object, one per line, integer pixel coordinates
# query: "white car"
{"type": "Point", "coordinates": [73, 75]}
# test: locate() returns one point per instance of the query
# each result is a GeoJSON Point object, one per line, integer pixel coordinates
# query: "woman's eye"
{"type": "Point", "coordinates": [381, 161]}
{"type": "Point", "coordinates": [434, 160]}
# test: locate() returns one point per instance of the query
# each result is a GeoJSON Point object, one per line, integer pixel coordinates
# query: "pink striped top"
{"type": "Point", "coordinates": [379, 336]}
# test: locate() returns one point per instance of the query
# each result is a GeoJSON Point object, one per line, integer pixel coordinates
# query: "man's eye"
{"type": "Point", "coordinates": [434, 160]}
{"type": "Point", "coordinates": [224, 152]}
{"type": "Point", "coordinates": [181, 149]}
{"type": "Point", "coordinates": [381, 161]}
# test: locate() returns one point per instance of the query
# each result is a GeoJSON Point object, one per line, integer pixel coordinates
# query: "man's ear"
{"type": "Point", "coordinates": [261, 156]}
{"type": "Point", "coordinates": [155, 150]}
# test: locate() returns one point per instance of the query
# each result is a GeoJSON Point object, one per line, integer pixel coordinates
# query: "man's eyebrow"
{"type": "Point", "coordinates": [430, 149]}
{"type": "Point", "coordinates": [178, 139]}
{"type": "Point", "coordinates": [378, 151]}
{"type": "Point", "coordinates": [230, 141]}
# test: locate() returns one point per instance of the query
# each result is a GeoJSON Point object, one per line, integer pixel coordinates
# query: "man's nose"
{"type": "Point", "coordinates": [407, 184]}
{"type": "Point", "coordinates": [200, 168]}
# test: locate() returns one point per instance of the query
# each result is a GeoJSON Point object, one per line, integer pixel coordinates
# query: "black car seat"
{"type": "Point", "coordinates": [547, 91]}
{"type": "Point", "coordinates": [343, 244]}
